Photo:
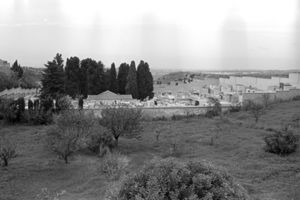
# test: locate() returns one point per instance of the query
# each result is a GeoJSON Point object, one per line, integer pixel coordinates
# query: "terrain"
{"type": "Point", "coordinates": [238, 148]}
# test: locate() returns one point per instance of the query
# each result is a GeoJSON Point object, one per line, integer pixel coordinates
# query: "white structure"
{"type": "Point", "coordinates": [262, 83]}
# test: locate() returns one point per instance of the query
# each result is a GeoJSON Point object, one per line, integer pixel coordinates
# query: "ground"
{"type": "Point", "coordinates": [238, 148]}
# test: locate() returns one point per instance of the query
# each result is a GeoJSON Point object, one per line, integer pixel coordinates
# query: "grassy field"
{"type": "Point", "coordinates": [238, 149]}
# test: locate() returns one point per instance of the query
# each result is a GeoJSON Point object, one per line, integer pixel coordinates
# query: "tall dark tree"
{"type": "Point", "coordinates": [107, 78]}
{"type": "Point", "coordinates": [83, 76]}
{"type": "Point", "coordinates": [95, 78]}
{"type": "Point", "coordinates": [72, 77]}
{"type": "Point", "coordinates": [113, 86]}
{"type": "Point", "coordinates": [131, 86]}
{"type": "Point", "coordinates": [145, 81]}
{"type": "Point", "coordinates": [16, 68]}
{"type": "Point", "coordinates": [53, 78]}
{"type": "Point", "coordinates": [122, 78]}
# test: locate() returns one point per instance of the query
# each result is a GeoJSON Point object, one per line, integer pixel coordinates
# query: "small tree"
{"type": "Point", "coordinates": [7, 150]}
{"type": "Point", "coordinates": [30, 105]}
{"type": "Point", "coordinates": [70, 129]}
{"type": "Point", "coordinates": [121, 121]}
{"type": "Point", "coordinates": [80, 103]}
{"type": "Point", "coordinates": [63, 103]}
{"type": "Point", "coordinates": [257, 111]}
{"type": "Point", "coordinates": [266, 99]}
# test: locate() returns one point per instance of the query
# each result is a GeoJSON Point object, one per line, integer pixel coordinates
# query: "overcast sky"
{"type": "Point", "coordinates": [186, 34]}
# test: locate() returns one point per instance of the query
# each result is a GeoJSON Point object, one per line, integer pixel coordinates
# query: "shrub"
{"type": "Point", "coordinates": [30, 105]}
{"type": "Point", "coordinates": [281, 142]}
{"type": "Point", "coordinates": [101, 142]}
{"type": "Point", "coordinates": [121, 121]}
{"type": "Point", "coordinates": [257, 110]}
{"type": "Point", "coordinates": [9, 110]}
{"type": "Point", "coordinates": [80, 103]}
{"type": "Point", "coordinates": [63, 103]}
{"type": "Point", "coordinates": [266, 99]}
{"type": "Point", "coordinates": [235, 108]}
{"type": "Point", "coordinates": [216, 109]}
{"type": "Point", "coordinates": [40, 117]}
{"type": "Point", "coordinates": [47, 104]}
{"type": "Point", "coordinates": [113, 165]}
{"type": "Point", "coordinates": [171, 179]}
{"type": "Point", "coordinates": [296, 98]}
{"type": "Point", "coordinates": [296, 120]}
{"type": "Point", "coordinates": [7, 150]}
{"type": "Point", "coordinates": [69, 132]}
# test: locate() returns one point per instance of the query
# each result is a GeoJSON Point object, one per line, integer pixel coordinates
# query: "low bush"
{"type": "Point", "coordinates": [296, 98]}
{"type": "Point", "coordinates": [7, 150]}
{"type": "Point", "coordinates": [171, 179]}
{"type": "Point", "coordinates": [113, 165]}
{"type": "Point", "coordinates": [233, 109]}
{"type": "Point", "coordinates": [40, 117]}
{"type": "Point", "coordinates": [281, 142]}
{"type": "Point", "coordinates": [63, 103]}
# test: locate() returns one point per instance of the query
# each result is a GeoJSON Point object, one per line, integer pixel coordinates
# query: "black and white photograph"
{"type": "Point", "coordinates": [149, 100]}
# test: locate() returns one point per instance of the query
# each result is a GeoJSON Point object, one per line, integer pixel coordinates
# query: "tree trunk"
{"type": "Point", "coordinates": [5, 164]}
{"type": "Point", "coordinates": [116, 141]}
{"type": "Point", "coordinates": [66, 159]}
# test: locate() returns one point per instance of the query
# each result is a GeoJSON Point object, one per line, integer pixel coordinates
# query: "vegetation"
{"type": "Point", "coordinates": [170, 179]}
{"type": "Point", "coordinates": [257, 110]}
{"type": "Point", "coordinates": [12, 111]}
{"type": "Point", "coordinates": [113, 165]}
{"type": "Point", "coordinates": [101, 141]}
{"type": "Point", "coordinates": [121, 121]}
{"type": "Point", "coordinates": [7, 150]}
{"type": "Point", "coordinates": [144, 81]}
{"type": "Point", "coordinates": [70, 130]}
{"type": "Point", "coordinates": [216, 109]}
{"type": "Point", "coordinates": [16, 68]}
{"type": "Point", "coordinates": [131, 86]}
{"type": "Point", "coordinates": [281, 142]}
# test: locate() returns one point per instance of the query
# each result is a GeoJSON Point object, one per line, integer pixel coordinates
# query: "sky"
{"type": "Point", "coordinates": [168, 34]}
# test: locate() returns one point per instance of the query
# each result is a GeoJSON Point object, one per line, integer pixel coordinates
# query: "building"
{"type": "Point", "coordinates": [109, 98]}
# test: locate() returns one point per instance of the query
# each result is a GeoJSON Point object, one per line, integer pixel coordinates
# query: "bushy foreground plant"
{"type": "Point", "coordinates": [113, 165]}
{"type": "Point", "coordinates": [7, 150]}
{"type": "Point", "coordinates": [12, 111]}
{"type": "Point", "coordinates": [174, 180]}
{"type": "Point", "coordinates": [69, 132]}
{"type": "Point", "coordinates": [122, 121]}
{"type": "Point", "coordinates": [281, 142]}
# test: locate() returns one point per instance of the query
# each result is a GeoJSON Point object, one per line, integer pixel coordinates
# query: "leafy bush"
{"type": "Point", "coordinates": [235, 108]}
{"type": "Point", "coordinates": [70, 130]}
{"type": "Point", "coordinates": [63, 103]}
{"type": "Point", "coordinates": [257, 110]}
{"type": "Point", "coordinates": [122, 121]}
{"type": "Point", "coordinates": [171, 179]}
{"type": "Point", "coordinates": [40, 117]}
{"type": "Point", "coordinates": [216, 108]}
{"type": "Point", "coordinates": [100, 142]}
{"type": "Point", "coordinates": [113, 165]}
{"type": "Point", "coordinates": [296, 98]}
{"type": "Point", "coordinates": [9, 110]}
{"type": "Point", "coordinates": [281, 142]}
{"type": "Point", "coordinates": [7, 150]}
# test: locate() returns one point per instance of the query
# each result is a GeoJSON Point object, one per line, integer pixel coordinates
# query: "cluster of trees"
{"type": "Point", "coordinates": [89, 77]}
{"type": "Point", "coordinates": [17, 78]}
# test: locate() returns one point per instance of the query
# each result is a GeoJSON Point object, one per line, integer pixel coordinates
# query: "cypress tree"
{"type": "Point", "coordinates": [83, 76]}
{"type": "Point", "coordinates": [122, 78]}
{"type": "Point", "coordinates": [53, 78]}
{"type": "Point", "coordinates": [113, 86]}
{"type": "Point", "coordinates": [72, 77]}
{"type": "Point", "coordinates": [95, 78]}
{"type": "Point", "coordinates": [144, 80]}
{"type": "Point", "coordinates": [16, 68]}
{"type": "Point", "coordinates": [131, 86]}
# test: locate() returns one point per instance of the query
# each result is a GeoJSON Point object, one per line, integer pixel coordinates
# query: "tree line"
{"type": "Point", "coordinates": [80, 78]}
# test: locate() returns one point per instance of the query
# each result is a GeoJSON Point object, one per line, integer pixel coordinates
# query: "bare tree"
{"type": "Point", "coordinates": [7, 150]}
{"type": "Point", "coordinates": [257, 111]}
{"type": "Point", "coordinates": [266, 99]}
{"type": "Point", "coordinates": [122, 121]}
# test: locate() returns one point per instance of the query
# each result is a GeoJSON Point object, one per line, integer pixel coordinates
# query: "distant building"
{"type": "Point", "coordinates": [109, 98]}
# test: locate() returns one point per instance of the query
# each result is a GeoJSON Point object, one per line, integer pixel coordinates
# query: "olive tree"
{"type": "Point", "coordinates": [7, 150]}
{"type": "Point", "coordinates": [257, 111]}
{"type": "Point", "coordinates": [69, 132]}
{"type": "Point", "coordinates": [122, 121]}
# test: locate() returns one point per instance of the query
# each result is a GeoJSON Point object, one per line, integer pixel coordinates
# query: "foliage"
{"type": "Point", "coordinates": [235, 108]}
{"type": "Point", "coordinates": [72, 76]}
{"type": "Point", "coordinates": [296, 120]}
{"type": "Point", "coordinates": [47, 104]}
{"type": "Point", "coordinates": [80, 103]}
{"type": "Point", "coordinates": [281, 142]}
{"type": "Point", "coordinates": [131, 86]}
{"type": "Point", "coordinates": [121, 121]}
{"type": "Point", "coordinates": [296, 98]}
{"type": "Point", "coordinates": [144, 81]}
{"type": "Point", "coordinates": [53, 84]}
{"type": "Point", "coordinates": [70, 129]}
{"type": "Point", "coordinates": [20, 109]}
{"type": "Point", "coordinates": [113, 165]}
{"type": "Point", "coordinates": [63, 103]}
{"type": "Point", "coordinates": [16, 68]}
{"type": "Point", "coordinates": [95, 78]}
{"type": "Point", "coordinates": [113, 86]}
{"type": "Point", "coordinates": [216, 108]}
{"type": "Point", "coordinates": [30, 105]}
{"type": "Point", "coordinates": [257, 110]}
{"type": "Point", "coordinates": [7, 150]}
{"type": "Point", "coordinates": [266, 98]}
{"type": "Point", "coordinates": [40, 116]}
{"type": "Point", "coordinates": [101, 141]}
{"type": "Point", "coordinates": [122, 78]}
{"type": "Point", "coordinates": [171, 179]}
{"type": "Point", "coordinates": [9, 110]}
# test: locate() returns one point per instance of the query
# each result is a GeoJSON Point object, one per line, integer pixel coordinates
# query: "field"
{"type": "Point", "coordinates": [238, 148]}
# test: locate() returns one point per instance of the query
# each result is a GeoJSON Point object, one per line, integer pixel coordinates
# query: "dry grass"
{"type": "Point", "coordinates": [238, 149]}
